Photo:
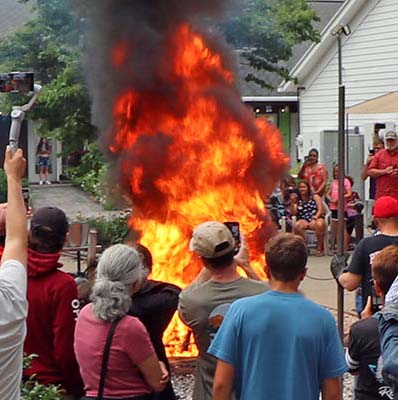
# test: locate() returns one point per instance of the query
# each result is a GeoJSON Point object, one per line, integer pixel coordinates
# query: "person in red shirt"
{"type": "Point", "coordinates": [53, 305]}
{"type": "Point", "coordinates": [315, 173]}
{"type": "Point", "coordinates": [384, 167]}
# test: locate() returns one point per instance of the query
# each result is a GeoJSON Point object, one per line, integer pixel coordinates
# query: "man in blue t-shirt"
{"type": "Point", "coordinates": [278, 345]}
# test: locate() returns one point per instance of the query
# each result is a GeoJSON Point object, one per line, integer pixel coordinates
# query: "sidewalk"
{"type": "Point", "coordinates": [73, 201]}
{"type": "Point", "coordinates": [320, 286]}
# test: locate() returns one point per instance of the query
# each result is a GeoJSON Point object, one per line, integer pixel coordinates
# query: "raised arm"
{"type": "Point", "coordinates": [16, 231]}
{"type": "Point", "coordinates": [242, 259]}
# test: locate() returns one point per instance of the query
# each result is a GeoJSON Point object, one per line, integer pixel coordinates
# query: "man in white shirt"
{"type": "Point", "coordinates": [13, 280]}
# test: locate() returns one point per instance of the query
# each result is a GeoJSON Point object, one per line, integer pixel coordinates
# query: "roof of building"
{"type": "Point", "coordinates": [385, 104]}
{"type": "Point", "coordinates": [325, 10]}
{"type": "Point", "coordinates": [13, 15]}
{"type": "Point", "coordinates": [316, 51]}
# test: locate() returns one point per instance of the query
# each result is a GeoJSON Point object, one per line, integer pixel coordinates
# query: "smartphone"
{"type": "Point", "coordinates": [233, 226]}
{"type": "Point", "coordinates": [26, 197]}
{"type": "Point", "coordinates": [17, 82]}
{"type": "Point", "coordinates": [376, 300]}
{"type": "Point", "coordinates": [371, 152]}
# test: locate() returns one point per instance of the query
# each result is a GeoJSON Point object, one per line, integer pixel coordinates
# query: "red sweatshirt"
{"type": "Point", "coordinates": [53, 308]}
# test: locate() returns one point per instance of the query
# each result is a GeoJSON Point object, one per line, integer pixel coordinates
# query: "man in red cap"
{"type": "Point", "coordinates": [384, 167]}
{"type": "Point", "coordinates": [358, 273]}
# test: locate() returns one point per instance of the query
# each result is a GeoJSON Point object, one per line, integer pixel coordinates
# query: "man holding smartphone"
{"type": "Point", "coordinates": [363, 352]}
{"type": "Point", "coordinates": [358, 273]}
{"type": "Point", "coordinates": [204, 303]}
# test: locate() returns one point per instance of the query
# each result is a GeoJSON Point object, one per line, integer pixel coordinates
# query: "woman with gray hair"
{"type": "Point", "coordinates": [114, 351]}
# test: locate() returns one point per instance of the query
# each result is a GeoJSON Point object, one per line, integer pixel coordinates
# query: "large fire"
{"type": "Point", "coordinates": [211, 161]}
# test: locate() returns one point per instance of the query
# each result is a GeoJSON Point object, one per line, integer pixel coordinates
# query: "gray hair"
{"type": "Point", "coordinates": [118, 269]}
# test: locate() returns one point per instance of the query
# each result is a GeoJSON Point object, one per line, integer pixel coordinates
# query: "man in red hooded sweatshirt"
{"type": "Point", "coordinates": [53, 305]}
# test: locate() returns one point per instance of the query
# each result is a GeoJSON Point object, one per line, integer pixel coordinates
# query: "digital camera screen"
{"type": "Point", "coordinates": [16, 82]}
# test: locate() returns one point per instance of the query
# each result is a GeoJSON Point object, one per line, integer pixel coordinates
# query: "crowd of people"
{"type": "Point", "coordinates": [306, 201]}
{"type": "Point", "coordinates": [256, 339]}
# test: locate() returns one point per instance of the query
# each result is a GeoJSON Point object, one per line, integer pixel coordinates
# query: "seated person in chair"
{"type": "Point", "coordinates": [309, 212]}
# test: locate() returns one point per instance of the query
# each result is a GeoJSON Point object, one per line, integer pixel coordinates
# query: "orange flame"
{"type": "Point", "coordinates": [192, 155]}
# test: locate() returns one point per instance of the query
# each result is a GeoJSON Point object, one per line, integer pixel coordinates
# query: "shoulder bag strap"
{"type": "Point", "coordinates": [105, 358]}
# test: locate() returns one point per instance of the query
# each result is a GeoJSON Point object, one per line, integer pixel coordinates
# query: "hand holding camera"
{"type": "Point", "coordinates": [16, 82]}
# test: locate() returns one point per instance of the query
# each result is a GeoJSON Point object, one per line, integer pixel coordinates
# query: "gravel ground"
{"type": "Point", "coordinates": [182, 371]}
{"type": "Point", "coordinates": [183, 386]}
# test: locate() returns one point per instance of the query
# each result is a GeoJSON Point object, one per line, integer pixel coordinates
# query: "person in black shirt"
{"type": "Point", "coordinates": [385, 214]}
{"type": "Point", "coordinates": [363, 353]}
{"type": "Point", "coordinates": [155, 304]}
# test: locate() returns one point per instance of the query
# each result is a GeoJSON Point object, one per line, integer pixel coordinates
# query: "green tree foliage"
{"type": "Point", "coordinates": [50, 45]}
{"type": "Point", "coordinates": [91, 173]}
{"type": "Point", "coordinates": [267, 30]}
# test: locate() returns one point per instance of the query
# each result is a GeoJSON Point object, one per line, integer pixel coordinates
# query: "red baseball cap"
{"type": "Point", "coordinates": [385, 207]}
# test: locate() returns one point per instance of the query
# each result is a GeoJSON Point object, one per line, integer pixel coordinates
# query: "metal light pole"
{"type": "Point", "coordinates": [338, 31]}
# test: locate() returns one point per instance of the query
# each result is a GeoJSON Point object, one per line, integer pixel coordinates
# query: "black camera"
{"type": "Point", "coordinates": [233, 226]}
{"type": "Point", "coordinates": [372, 152]}
{"type": "Point", "coordinates": [376, 300]}
{"type": "Point", "coordinates": [26, 197]}
{"type": "Point", "coordinates": [16, 82]}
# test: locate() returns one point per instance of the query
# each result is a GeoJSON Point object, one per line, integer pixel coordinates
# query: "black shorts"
{"type": "Point", "coordinates": [335, 216]}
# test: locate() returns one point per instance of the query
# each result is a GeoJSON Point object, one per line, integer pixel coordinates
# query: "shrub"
{"type": "Point", "coordinates": [111, 230]}
{"type": "Point", "coordinates": [91, 173]}
{"type": "Point", "coordinates": [32, 390]}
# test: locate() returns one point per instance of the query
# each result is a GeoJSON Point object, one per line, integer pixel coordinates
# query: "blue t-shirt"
{"type": "Point", "coordinates": [281, 345]}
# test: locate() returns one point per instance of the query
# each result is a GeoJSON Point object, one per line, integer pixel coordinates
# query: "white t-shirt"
{"type": "Point", "coordinates": [13, 313]}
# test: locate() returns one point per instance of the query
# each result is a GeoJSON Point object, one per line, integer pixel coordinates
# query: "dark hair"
{"type": "Point", "coordinates": [314, 150]}
{"type": "Point", "coordinates": [220, 262]}
{"type": "Point", "coordinates": [286, 256]}
{"type": "Point", "coordinates": [385, 267]}
{"type": "Point", "coordinates": [145, 255]}
{"type": "Point", "coordinates": [40, 144]}
{"type": "Point", "coordinates": [43, 240]}
{"type": "Point", "coordinates": [306, 183]}
{"type": "Point", "coordinates": [350, 178]}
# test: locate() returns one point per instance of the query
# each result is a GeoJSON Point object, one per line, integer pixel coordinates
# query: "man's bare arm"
{"type": "Point", "coordinates": [242, 259]}
{"type": "Point", "coordinates": [16, 231]}
{"type": "Point", "coordinates": [375, 173]}
{"type": "Point", "coordinates": [223, 381]}
{"type": "Point", "coordinates": [331, 389]}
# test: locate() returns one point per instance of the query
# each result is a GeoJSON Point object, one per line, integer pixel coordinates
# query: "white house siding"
{"type": "Point", "coordinates": [370, 62]}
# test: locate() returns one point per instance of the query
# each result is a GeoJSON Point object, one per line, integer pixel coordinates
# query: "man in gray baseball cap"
{"type": "Point", "coordinates": [384, 167]}
{"type": "Point", "coordinates": [203, 304]}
